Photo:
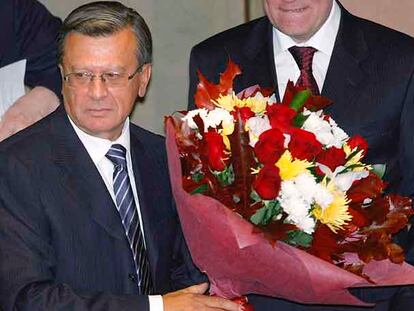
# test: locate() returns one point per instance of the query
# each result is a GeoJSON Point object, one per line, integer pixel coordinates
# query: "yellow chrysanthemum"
{"type": "Point", "coordinates": [228, 102]}
{"type": "Point", "coordinates": [355, 160]}
{"type": "Point", "coordinates": [290, 168]}
{"type": "Point", "coordinates": [335, 215]}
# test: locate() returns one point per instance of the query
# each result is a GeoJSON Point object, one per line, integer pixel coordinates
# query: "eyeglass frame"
{"type": "Point", "coordinates": [92, 76]}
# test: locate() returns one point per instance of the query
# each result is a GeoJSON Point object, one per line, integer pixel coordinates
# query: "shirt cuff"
{"type": "Point", "coordinates": [155, 303]}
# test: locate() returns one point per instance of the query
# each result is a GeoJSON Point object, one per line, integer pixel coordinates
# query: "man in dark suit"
{"type": "Point", "coordinates": [366, 70]}
{"type": "Point", "coordinates": [87, 220]}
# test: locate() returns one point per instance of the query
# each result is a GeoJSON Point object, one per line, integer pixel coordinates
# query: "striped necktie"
{"type": "Point", "coordinates": [129, 215]}
{"type": "Point", "coordinates": [304, 57]}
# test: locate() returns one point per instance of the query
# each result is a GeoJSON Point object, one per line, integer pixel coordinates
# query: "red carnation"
{"type": "Point", "coordinates": [332, 158]}
{"type": "Point", "coordinates": [280, 116]}
{"type": "Point", "coordinates": [270, 146]}
{"type": "Point", "coordinates": [215, 150]}
{"type": "Point", "coordinates": [303, 145]}
{"type": "Point", "coordinates": [267, 183]}
{"type": "Point", "coordinates": [359, 142]}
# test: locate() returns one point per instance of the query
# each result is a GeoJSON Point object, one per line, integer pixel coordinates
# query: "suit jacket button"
{"type": "Point", "coordinates": [132, 277]}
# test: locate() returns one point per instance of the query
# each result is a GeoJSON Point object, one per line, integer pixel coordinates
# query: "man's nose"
{"type": "Point", "coordinates": [98, 88]}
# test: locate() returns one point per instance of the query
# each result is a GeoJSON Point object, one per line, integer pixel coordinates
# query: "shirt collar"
{"type": "Point", "coordinates": [323, 40]}
{"type": "Point", "coordinates": [98, 147]}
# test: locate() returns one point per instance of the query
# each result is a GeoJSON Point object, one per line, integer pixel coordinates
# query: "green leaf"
{"type": "Point", "coordinates": [266, 214]}
{"type": "Point", "coordinates": [299, 100]}
{"type": "Point", "coordinates": [379, 169]}
{"type": "Point", "coordinates": [299, 238]}
{"type": "Point", "coordinates": [226, 176]}
{"type": "Point", "coordinates": [299, 120]}
{"type": "Point", "coordinates": [197, 177]}
{"type": "Point", "coordinates": [254, 196]}
{"type": "Point", "coordinates": [200, 189]}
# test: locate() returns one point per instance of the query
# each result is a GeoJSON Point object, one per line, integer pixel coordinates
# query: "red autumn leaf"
{"type": "Point", "coordinates": [215, 150]}
{"type": "Point", "coordinates": [366, 188]}
{"type": "Point", "coordinates": [324, 243]}
{"type": "Point", "coordinates": [242, 160]}
{"type": "Point", "coordinates": [208, 91]}
{"type": "Point", "coordinates": [267, 183]}
{"type": "Point", "coordinates": [332, 157]}
{"type": "Point", "coordinates": [280, 116]}
{"type": "Point", "coordinates": [270, 146]}
{"type": "Point", "coordinates": [359, 142]}
{"type": "Point", "coordinates": [303, 145]}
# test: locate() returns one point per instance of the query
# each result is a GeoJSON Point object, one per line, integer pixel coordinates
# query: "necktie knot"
{"type": "Point", "coordinates": [117, 154]}
{"type": "Point", "coordinates": [303, 56]}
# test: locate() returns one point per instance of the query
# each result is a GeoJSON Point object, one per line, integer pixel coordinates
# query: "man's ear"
{"type": "Point", "coordinates": [143, 79]}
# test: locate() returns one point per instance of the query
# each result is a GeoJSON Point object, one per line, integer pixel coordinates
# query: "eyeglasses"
{"type": "Point", "coordinates": [111, 79]}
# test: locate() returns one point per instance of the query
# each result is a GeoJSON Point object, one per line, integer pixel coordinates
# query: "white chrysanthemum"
{"type": "Point", "coordinates": [306, 187]}
{"type": "Point", "coordinates": [323, 197]}
{"type": "Point", "coordinates": [327, 132]}
{"type": "Point", "coordinates": [256, 126]}
{"type": "Point", "coordinates": [189, 117]}
{"type": "Point", "coordinates": [307, 224]}
{"type": "Point", "coordinates": [216, 117]}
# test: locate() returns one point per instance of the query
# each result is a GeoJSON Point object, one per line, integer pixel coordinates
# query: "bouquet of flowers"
{"type": "Point", "coordinates": [275, 199]}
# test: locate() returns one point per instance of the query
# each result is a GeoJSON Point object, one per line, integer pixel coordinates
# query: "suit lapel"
{"type": "Point", "coordinates": [81, 178]}
{"type": "Point", "coordinates": [345, 76]}
{"type": "Point", "coordinates": [148, 188]}
{"type": "Point", "coordinates": [258, 50]}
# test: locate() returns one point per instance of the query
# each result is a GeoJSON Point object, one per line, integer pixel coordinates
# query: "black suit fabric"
{"type": "Point", "coordinates": [62, 243]}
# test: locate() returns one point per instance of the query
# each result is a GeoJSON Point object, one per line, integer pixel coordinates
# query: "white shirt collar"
{"type": "Point", "coordinates": [98, 147]}
{"type": "Point", "coordinates": [323, 40]}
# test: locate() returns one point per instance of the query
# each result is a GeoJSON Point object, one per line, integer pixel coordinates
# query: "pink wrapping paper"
{"type": "Point", "coordinates": [239, 261]}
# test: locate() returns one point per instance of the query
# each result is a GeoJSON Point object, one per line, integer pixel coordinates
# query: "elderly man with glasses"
{"type": "Point", "coordinates": [87, 220]}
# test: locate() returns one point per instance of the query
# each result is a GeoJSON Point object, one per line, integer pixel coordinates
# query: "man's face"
{"type": "Point", "coordinates": [96, 108]}
{"type": "Point", "coordinates": [299, 19]}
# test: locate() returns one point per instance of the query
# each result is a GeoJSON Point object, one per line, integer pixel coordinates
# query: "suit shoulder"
{"type": "Point", "coordinates": [150, 140]}
{"type": "Point", "coordinates": [232, 37]}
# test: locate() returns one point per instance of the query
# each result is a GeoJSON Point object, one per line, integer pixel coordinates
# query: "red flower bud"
{"type": "Point", "coordinates": [270, 146]}
{"type": "Point", "coordinates": [267, 183]}
{"type": "Point", "coordinates": [280, 116]}
{"type": "Point", "coordinates": [245, 113]}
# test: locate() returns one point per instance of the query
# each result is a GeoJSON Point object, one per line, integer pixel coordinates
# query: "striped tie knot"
{"type": "Point", "coordinates": [117, 154]}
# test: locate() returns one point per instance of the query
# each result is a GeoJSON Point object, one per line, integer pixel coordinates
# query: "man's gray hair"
{"type": "Point", "coordinates": [104, 18]}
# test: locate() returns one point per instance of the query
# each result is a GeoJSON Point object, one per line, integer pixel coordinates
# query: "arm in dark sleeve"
{"type": "Point", "coordinates": [36, 31]}
{"type": "Point", "coordinates": [27, 256]}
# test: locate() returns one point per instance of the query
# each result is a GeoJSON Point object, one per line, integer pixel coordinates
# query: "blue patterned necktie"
{"type": "Point", "coordinates": [129, 215]}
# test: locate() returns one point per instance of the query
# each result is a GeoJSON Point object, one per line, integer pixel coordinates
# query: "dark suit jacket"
{"type": "Point", "coordinates": [62, 244]}
{"type": "Point", "coordinates": [29, 31]}
{"type": "Point", "coordinates": [370, 80]}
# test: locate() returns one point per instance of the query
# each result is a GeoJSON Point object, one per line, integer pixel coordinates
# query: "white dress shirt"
{"type": "Point", "coordinates": [97, 149]}
{"type": "Point", "coordinates": [323, 40]}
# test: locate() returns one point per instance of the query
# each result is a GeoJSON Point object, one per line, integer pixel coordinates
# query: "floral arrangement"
{"type": "Point", "coordinates": [292, 172]}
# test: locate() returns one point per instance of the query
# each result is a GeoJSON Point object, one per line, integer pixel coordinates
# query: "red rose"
{"type": "Point", "coordinates": [245, 113]}
{"type": "Point", "coordinates": [303, 145]}
{"type": "Point", "coordinates": [332, 158]}
{"type": "Point", "coordinates": [359, 142]}
{"type": "Point", "coordinates": [215, 150]}
{"type": "Point", "coordinates": [267, 183]}
{"type": "Point", "coordinates": [270, 146]}
{"type": "Point", "coordinates": [280, 116]}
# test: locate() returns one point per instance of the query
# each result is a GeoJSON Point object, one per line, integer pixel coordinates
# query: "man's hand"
{"type": "Point", "coordinates": [28, 109]}
{"type": "Point", "coordinates": [193, 298]}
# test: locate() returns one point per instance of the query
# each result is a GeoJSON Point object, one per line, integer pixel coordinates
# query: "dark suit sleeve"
{"type": "Point", "coordinates": [193, 79]}
{"type": "Point", "coordinates": [27, 256]}
{"type": "Point", "coordinates": [36, 31]}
